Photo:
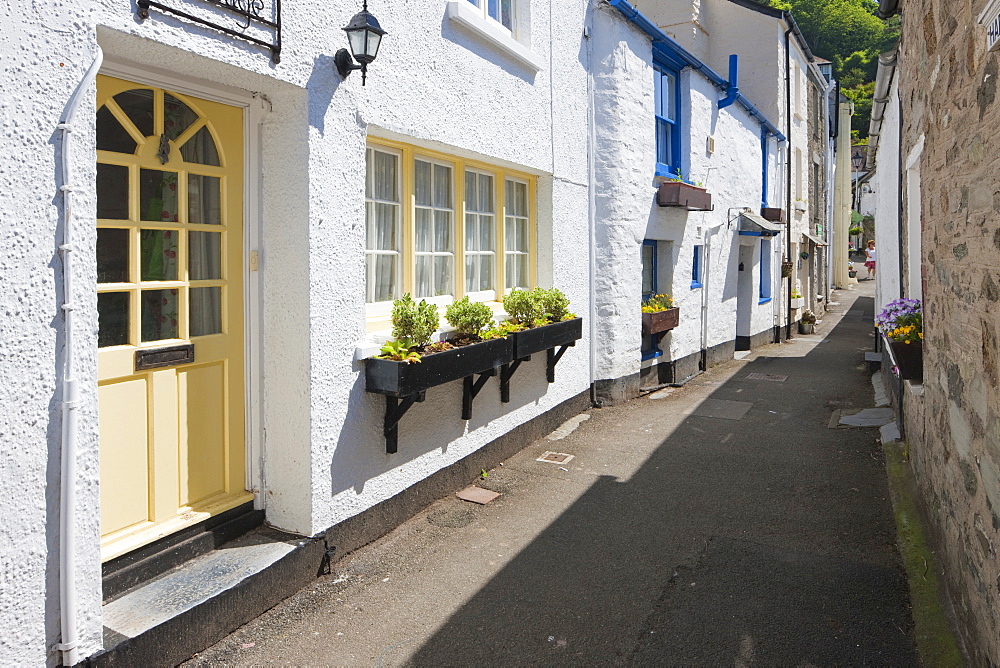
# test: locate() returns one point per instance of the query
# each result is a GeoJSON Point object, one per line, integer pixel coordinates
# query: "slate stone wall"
{"type": "Point", "coordinates": [948, 91]}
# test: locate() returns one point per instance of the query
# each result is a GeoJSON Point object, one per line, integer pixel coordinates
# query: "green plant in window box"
{"type": "Point", "coordinates": [412, 321]}
{"type": "Point", "coordinates": [469, 319]}
{"type": "Point", "coordinates": [523, 307]}
{"type": "Point", "coordinates": [399, 351]}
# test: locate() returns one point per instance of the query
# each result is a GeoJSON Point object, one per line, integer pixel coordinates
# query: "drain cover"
{"type": "Point", "coordinates": [555, 458]}
{"type": "Point", "coordinates": [767, 376]}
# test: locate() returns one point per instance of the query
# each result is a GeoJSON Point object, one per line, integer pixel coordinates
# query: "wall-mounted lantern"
{"type": "Point", "coordinates": [364, 35]}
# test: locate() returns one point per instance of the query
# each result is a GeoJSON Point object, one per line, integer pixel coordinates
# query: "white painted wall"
{"type": "Point", "coordinates": [885, 183]}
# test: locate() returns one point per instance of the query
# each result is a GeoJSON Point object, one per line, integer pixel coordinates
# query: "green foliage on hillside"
{"type": "Point", "coordinates": [850, 35]}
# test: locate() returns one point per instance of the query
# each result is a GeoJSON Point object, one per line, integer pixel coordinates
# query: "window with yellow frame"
{"type": "Point", "coordinates": [441, 227]}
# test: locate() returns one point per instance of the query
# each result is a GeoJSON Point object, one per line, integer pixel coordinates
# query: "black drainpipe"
{"type": "Point", "coordinates": [788, 177]}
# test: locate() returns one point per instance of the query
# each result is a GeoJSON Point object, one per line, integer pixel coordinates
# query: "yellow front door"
{"type": "Point", "coordinates": [170, 308]}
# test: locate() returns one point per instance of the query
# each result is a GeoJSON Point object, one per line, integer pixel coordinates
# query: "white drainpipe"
{"type": "Point", "coordinates": [67, 487]}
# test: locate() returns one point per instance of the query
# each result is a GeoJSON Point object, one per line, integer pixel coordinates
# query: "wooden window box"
{"type": "Point", "coordinates": [774, 214]}
{"type": "Point", "coordinates": [678, 193]}
{"type": "Point", "coordinates": [661, 321]}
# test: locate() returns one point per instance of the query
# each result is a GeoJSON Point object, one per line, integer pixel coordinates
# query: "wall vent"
{"type": "Point", "coordinates": [710, 145]}
{"type": "Point", "coordinates": [990, 19]}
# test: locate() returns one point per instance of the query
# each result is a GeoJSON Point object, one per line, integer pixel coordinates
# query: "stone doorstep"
{"type": "Point", "coordinates": [169, 618]}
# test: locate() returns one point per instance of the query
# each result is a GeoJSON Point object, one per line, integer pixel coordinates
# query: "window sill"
{"type": "Point", "coordinates": [468, 16]}
{"type": "Point", "coordinates": [666, 171]}
{"type": "Point", "coordinates": [763, 300]}
{"type": "Point", "coordinates": [695, 285]}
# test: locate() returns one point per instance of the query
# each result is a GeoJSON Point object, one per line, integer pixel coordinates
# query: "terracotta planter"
{"type": "Point", "coordinates": [661, 321]}
{"type": "Point", "coordinates": [678, 193]}
{"type": "Point", "coordinates": [775, 215]}
{"type": "Point", "coordinates": [909, 359]}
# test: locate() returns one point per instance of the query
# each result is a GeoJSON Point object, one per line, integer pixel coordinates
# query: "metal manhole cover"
{"type": "Point", "coordinates": [767, 376]}
{"type": "Point", "coordinates": [554, 458]}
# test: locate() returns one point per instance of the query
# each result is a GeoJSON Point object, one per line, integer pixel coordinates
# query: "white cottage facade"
{"type": "Point", "coordinates": [208, 232]}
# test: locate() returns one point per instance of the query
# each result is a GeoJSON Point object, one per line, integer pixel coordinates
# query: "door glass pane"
{"type": "Point", "coordinates": [177, 117]}
{"type": "Point", "coordinates": [112, 319]}
{"type": "Point", "coordinates": [204, 200]}
{"type": "Point", "coordinates": [204, 256]}
{"type": "Point", "coordinates": [112, 255]}
{"type": "Point", "coordinates": [158, 195]}
{"type": "Point", "coordinates": [159, 314]}
{"type": "Point", "coordinates": [138, 106]}
{"type": "Point", "coordinates": [112, 192]}
{"type": "Point", "coordinates": [158, 259]}
{"type": "Point", "coordinates": [201, 149]}
{"type": "Point", "coordinates": [206, 311]}
{"type": "Point", "coordinates": [111, 136]}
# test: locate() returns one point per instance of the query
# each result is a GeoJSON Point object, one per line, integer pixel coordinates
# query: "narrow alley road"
{"type": "Point", "coordinates": [722, 523]}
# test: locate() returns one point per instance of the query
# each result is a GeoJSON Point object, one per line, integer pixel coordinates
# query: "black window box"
{"type": "Point", "coordinates": [537, 339]}
{"type": "Point", "coordinates": [402, 379]}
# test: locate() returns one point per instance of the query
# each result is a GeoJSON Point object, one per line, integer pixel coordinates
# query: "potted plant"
{"type": "Point", "coordinates": [901, 322]}
{"type": "Point", "coordinates": [676, 191]}
{"type": "Point", "coordinates": [851, 271]}
{"type": "Point", "coordinates": [855, 229]}
{"type": "Point", "coordinates": [411, 363]}
{"type": "Point", "coordinates": [786, 268]}
{"type": "Point", "coordinates": [539, 319]}
{"type": "Point", "coordinates": [804, 255]}
{"type": "Point", "coordinates": [659, 315]}
{"type": "Point", "coordinates": [800, 204]}
{"type": "Point", "coordinates": [797, 300]}
{"type": "Point", "coordinates": [807, 322]}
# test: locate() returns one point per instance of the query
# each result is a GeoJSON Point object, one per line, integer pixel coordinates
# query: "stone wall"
{"type": "Point", "coordinates": [949, 141]}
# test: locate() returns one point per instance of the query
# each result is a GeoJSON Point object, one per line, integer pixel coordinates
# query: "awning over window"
{"type": "Point", "coordinates": [815, 240]}
{"type": "Point", "coordinates": [753, 225]}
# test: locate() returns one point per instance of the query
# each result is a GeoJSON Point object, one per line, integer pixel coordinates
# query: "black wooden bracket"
{"type": "Point", "coordinates": [552, 358]}
{"type": "Point", "coordinates": [395, 409]}
{"type": "Point", "coordinates": [506, 373]}
{"type": "Point", "coordinates": [470, 388]}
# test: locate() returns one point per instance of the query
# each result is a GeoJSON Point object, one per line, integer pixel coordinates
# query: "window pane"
{"type": "Point", "coordinates": [442, 186]}
{"type": "Point", "coordinates": [422, 183]}
{"type": "Point", "coordinates": [206, 311]}
{"type": "Point", "coordinates": [204, 256]}
{"type": "Point", "coordinates": [657, 95]}
{"type": "Point", "coordinates": [177, 117]}
{"type": "Point", "coordinates": [112, 255]}
{"type": "Point", "coordinates": [382, 235]}
{"type": "Point", "coordinates": [471, 236]}
{"type": "Point", "coordinates": [485, 272]}
{"type": "Point", "coordinates": [112, 319]}
{"type": "Point", "coordinates": [667, 91]}
{"type": "Point", "coordinates": [424, 270]}
{"type": "Point", "coordinates": [424, 233]}
{"type": "Point", "coordinates": [111, 136]}
{"type": "Point", "coordinates": [442, 275]}
{"type": "Point", "coordinates": [382, 277]}
{"type": "Point", "coordinates": [158, 195]}
{"type": "Point", "coordinates": [159, 314]}
{"type": "Point", "coordinates": [471, 192]}
{"type": "Point", "coordinates": [158, 255]}
{"type": "Point", "coordinates": [385, 178]}
{"type": "Point", "coordinates": [442, 230]}
{"type": "Point", "coordinates": [648, 253]}
{"type": "Point", "coordinates": [201, 149]}
{"type": "Point", "coordinates": [471, 273]}
{"type": "Point", "coordinates": [664, 142]}
{"type": "Point", "coordinates": [486, 233]}
{"type": "Point", "coordinates": [486, 193]}
{"type": "Point", "coordinates": [507, 14]}
{"type": "Point", "coordinates": [112, 192]}
{"type": "Point", "coordinates": [204, 200]}
{"type": "Point", "coordinates": [138, 106]}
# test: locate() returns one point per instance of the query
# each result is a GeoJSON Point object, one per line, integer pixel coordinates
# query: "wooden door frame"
{"type": "Point", "coordinates": [255, 107]}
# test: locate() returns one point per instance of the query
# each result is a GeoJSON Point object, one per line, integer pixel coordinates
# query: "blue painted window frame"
{"type": "Point", "coordinates": [696, 262]}
{"type": "Point", "coordinates": [650, 349]}
{"type": "Point", "coordinates": [765, 271]}
{"type": "Point", "coordinates": [668, 130]}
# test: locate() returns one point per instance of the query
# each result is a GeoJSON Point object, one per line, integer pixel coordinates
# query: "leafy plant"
{"type": "Point", "coordinates": [796, 294]}
{"type": "Point", "coordinates": [501, 330]}
{"type": "Point", "coordinates": [808, 317]}
{"type": "Point", "coordinates": [469, 318]}
{"type": "Point", "coordinates": [902, 320]}
{"type": "Point", "coordinates": [412, 321]}
{"type": "Point", "coordinates": [399, 351]}
{"type": "Point", "coordinates": [658, 303]}
{"type": "Point", "coordinates": [523, 307]}
{"type": "Point", "coordinates": [554, 304]}
{"type": "Point", "coordinates": [857, 229]}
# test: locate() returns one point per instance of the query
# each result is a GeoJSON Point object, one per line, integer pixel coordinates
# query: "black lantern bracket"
{"type": "Point", "coordinates": [364, 34]}
{"type": "Point", "coordinates": [247, 14]}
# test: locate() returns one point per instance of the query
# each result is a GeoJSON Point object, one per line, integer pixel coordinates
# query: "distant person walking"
{"type": "Point", "coordinates": [870, 258]}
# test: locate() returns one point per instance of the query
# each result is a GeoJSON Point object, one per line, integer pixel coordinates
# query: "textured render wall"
{"type": "Point", "coordinates": [625, 164]}
{"type": "Point", "coordinates": [885, 183]}
{"type": "Point", "coordinates": [47, 58]}
{"type": "Point", "coordinates": [948, 90]}
{"type": "Point", "coordinates": [477, 103]}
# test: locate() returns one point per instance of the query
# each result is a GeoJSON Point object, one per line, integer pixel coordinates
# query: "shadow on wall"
{"type": "Point", "coordinates": [324, 82]}
{"type": "Point", "coordinates": [770, 527]}
{"type": "Point", "coordinates": [487, 53]}
{"type": "Point", "coordinates": [433, 424]}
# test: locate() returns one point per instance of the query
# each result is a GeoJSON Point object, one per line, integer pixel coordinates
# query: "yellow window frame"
{"type": "Point", "coordinates": [408, 153]}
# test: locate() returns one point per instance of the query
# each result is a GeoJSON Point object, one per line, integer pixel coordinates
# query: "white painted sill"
{"type": "Point", "coordinates": [463, 13]}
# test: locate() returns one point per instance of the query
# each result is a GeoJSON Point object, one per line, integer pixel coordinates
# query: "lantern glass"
{"type": "Point", "coordinates": [373, 42]}
{"type": "Point", "coordinates": [357, 38]}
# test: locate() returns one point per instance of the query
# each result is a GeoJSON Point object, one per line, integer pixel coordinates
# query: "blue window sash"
{"type": "Point", "coordinates": [765, 271]}
{"type": "Point", "coordinates": [696, 267]}
{"type": "Point", "coordinates": [668, 135]}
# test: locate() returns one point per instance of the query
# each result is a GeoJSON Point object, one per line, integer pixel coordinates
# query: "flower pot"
{"type": "Point", "coordinates": [798, 302]}
{"type": "Point", "coordinates": [806, 327]}
{"type": "Point", "coordinates": [909, 359]}
{"type": "Point", "coordinates": [678, 193]}
{"type": "Point", "coordinates": [852, 274]}
{"type": "Point", "coordinates": [661, 321]}
{"type": "Point", "coordinates": [402, 379]}
{"type": "Point", "coordinates": [774, 214]}
{"type": "Point", "coordinates": [537, 339]}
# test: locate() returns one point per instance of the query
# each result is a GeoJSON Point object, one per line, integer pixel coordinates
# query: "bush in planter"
{"type": "Point", "coordinates": [413, 322]}
{"type": "Point", "coordinates": [555, 304]}
{"type": "Point", "coordinates": [523, 307]}
{"type": "Point", "coordinates": [469, 318]}
{"type": "Point", "coordinates": [808, 317]}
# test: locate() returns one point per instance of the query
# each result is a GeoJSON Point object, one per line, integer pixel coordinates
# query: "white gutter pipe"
{"type": "Point", "coordinates": [70, 408]}
{"type": "Point", "coordinates": [591, 208]}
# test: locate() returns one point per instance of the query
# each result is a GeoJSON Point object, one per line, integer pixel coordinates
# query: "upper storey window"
{"type": "Point", "coordinates": [668, 112]}
{"type": "Point", "coordinates": [501, 11]}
